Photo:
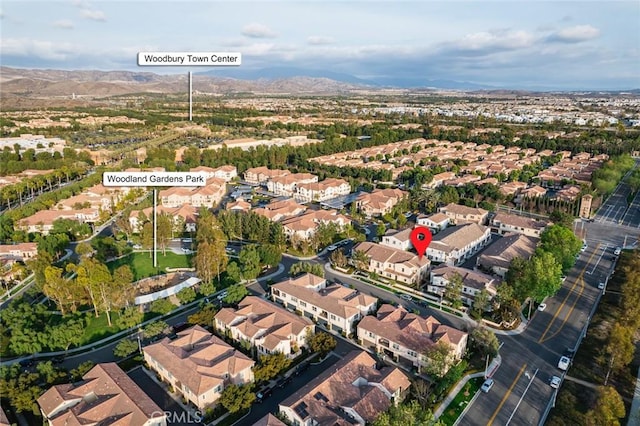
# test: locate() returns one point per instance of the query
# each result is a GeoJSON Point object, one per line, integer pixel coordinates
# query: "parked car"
{"type": "Point", "coordinates": [487, 385]}
{"type": "Point", "coordinates": [302, 367]}
{"type": "Point", "coordinates": [555, 382]}
{"type": "Point", "coordinates": [563, 363]}
{"type": "Point", "coordinates": [222, 295]}
{"type": "Point", "coordinates": [284, 381]}
{"type": "Point", "coordinates": [405, 296]}
{"type": "Point", "coordinates": [601, 286]}
{"type": "Point", "coordinates": [263, 394]}
{"type": "Point", "coordinates": [617, 251]}
{"type": "Point", "coordinates": [542, 307]}
{"type": "Point", "coordinates": [180, 326]}
{"type": "Point", "coordinates": [584, 246]}
{"type": "Point", "coordinates": [332, 248]}
{"type": "Point", "coordinates": [569, 352]}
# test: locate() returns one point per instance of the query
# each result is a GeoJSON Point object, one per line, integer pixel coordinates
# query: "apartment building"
{"type": "Point", "coordinates": [396, 264]}
{"type": "Point", "coordinates": [184, 215]}
{"type": "Point", "coordinates": [473, 282]}
{"type": "Point", "coordinates": [352, 392]}
{"type": "Point", "coordinates": [287, 185]}
{"type": "Point", "coordinates": [322, 191]}
{"type": "Point", "coordinates": [498, 256]}
{"type": "Point", "coordinates": [226, 173]}
{"type": "Point", "coordinates": [400, 240]}
{"type": "Point", "coordinates": [379, 202]}
{"type": "Point", "coordinates": [209, 195]}
{"type": "Point", "coordinates": [261, 175]}
{"type": "Point", "coordinates": [457, 243]}
{"type": "Point", "coordinates": [459, 214]}
{"type": "Point", "coordinates": [334, 306]}
{"type": "Point", "coordinates": [20, 252]}
{"type": "Point", "coordinates": [304, 226]}
{"type": "Point", "coordinates": [436, 222]}
{"type": "Point", "coordinates": [198, 365]}
{"type": "Point", "coordinates": [278, 210]}
{"type": "Point", "coordinates": [407, 337]}
{"type": "Point", "coordinates": [42, 221]}
{"type": "Point", "coordinates": [503, 223]}
{"type": "Point", "coordinates": [268, 327]}
{"type": "Point", "coordinates": [105, 395]}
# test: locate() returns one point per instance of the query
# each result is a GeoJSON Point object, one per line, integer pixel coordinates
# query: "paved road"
{"type": "Point", "coordinates": [521, 393]}
{"type": "Point", "coordinates": [617, 210]}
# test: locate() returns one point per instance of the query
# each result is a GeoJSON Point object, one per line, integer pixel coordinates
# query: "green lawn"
{"type": "Point", "coordinates": [141, 264]}
{"type": "Point", "coordinates": [461, 400]}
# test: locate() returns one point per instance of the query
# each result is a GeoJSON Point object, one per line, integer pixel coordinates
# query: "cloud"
{"type": "Point", "coordinates": [95, 15]}
{"type": "Point", "coordinates": [489, 41]}
{"type": "Point", "coordinates": [576, 34]}
{"type": "Point", "coordinates": [255, 30]}
{"type": "Point", "coordinates": [320, 40]}
{"type": "Point", "coordinates": [64, 24]}
{"type": "Point", "coordinates": [25, 47]}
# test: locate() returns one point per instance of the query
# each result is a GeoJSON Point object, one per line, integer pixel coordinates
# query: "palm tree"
{"type": "Point", "coordinates": [360, 260]}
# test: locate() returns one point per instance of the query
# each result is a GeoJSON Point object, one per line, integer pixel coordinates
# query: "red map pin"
{"type": "Point", "coordinates": [421, 238]}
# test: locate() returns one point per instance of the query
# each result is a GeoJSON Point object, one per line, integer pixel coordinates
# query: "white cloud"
{"type": "Point", "coordinates": [64, 24]}
{"type": "Point", "coordinates": [255, 30]}
{"type": "Point", "coordinates": [320, 40]}
{"type": "Point", "coordinates": [95, 15]}
{"type": "Point", "coordinates": [36, 48]}
{"type": "Point", "coordinates": [494, 40]}
{"type": "Point", "coordinates": [575, 34]}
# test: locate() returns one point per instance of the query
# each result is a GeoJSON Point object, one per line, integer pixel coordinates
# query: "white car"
{"type": "Point", "coordinates": [563, 364]}
{"type": "Point", "coordinates": [487, 385]}
{"type": "Point", "coordinates": [405, 296]}
{"type": "Point", "coordinates": [222, 295]}
{"type": "Point", "coordinates": [601, 286]}
{"type": "Point", "coordinates": [584, 246]}
{"type": "Point", "coordinates": [331, 248]}
{"type": "Point", "coordinates": [555, 382]}
{"type": "Point", "coordinates": [542, 307]}
{"type": "Point", "coordinates": [617, 251]}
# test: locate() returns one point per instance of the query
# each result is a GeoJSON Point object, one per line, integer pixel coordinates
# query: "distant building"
{"type": "Point", "coordinates": [398, 239]}
{"type": "Point", "coordinates": [261, 175]}
{"type": "Point", "coordinates": [322, 191]}
{"type": "Point", "coordinates": [498, 256]}
{"type": "Point", "coordinates": [459, 214]}
{"type": "Point", "coordinates": [379, 202]}
{"type": "Point", "coordinates": [396, 264]}
{"type": "Point", "coordinates": [585, 206]}
{"type": "Point", "coordinates": [473, 282]}
{"type": "Point", "coordinates": [435, 222]}
{"type": "Point", "coordinates": [503, 223]}
{"type": "Point", "coordinates": [457, 243]}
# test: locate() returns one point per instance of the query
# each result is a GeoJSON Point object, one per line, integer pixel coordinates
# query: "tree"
{"type": "Point", "coordinates": [125, 347]}
{"type": "Point", "coordinates": [381, 229]}
{"type": "Point", "coordinates": [162, 306]}
{"type": "Point", "coordinates": [544, 275]}
{"type": "Point", "coordinates": [123, 275]}
{"type": "Point", "coordinates": [66, 334]}
{"type": "Point", "coordinates": [207, 288]}
{"type": "Point", "coordinates": [81, 370]}
{"type": "Point", "coordinates": [210, 260]}
{"type": "Point", "coordinates": [609, 409]}
{"type": "Point", "coordinates": [186, 295]}
{"type": "Point", "coordinates": [453, 291]}
{"type": "Point", "coordinates": [57, 288]}
{"type": "Point", "coordinates": [204, 317]}
{"type": "Point", "coordinates": [620, 347]}
{"type": "Point", "coordinates": [233, 271]}
{"type": "Point", "coordinates": [249, 262]}
{"type": "Point", "coordinates": [237, 397]}
{"type": "Point", "coordinates": [481, 303]}
{"type": "Point", "coordinates": [360, 260]}
{"type": "Point", "coordinates": [438, 359]}
{"type": "Point", "coordinates": [21, 389]}
{"type": "Point", "coordinates": [130, 317]}
{"type": "Point", "coordinates": [339, 259]}
{"type": "Point", "coordinates": [270, 366]}
{"type": "Point", "coordinates": [270, 254]}
{"type": "Point", "coordinates": [562, 243]}
{"type": "Point", "coordinates": [322, 342]}
{"type": "Point", "coordinates": [50, 373]}
{"type": "Point", "coordinates": [154, 329]}
{"type": "Point", "coordinates": [306, 267]}
{"type": "Point", "coordinates": [485, 341]}
{"type": "Point", "coordinates": [164, 231]}
{"type": "Point", "coordinates": [235, 293]}
{"type": "Point", "coordinates": [146, 237]}
{"type": "Point", "coordinates": [407, 414]}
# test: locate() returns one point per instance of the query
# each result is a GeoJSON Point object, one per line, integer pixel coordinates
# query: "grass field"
{"type": "Point", "coordinates": [141, 263]}
{"type": "Point", "coordinates": [461, 400]}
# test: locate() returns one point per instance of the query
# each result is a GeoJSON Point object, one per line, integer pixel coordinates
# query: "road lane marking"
{"type": "Point", "coordinates": [506, 395]}
{"type": "Point", "coordinates": [569, 314]}
{"type": "Point", "coordinates": [575, 283]}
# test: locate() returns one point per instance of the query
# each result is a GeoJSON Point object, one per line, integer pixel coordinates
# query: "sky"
{"type": "Point", "coordinates": [559, 45]}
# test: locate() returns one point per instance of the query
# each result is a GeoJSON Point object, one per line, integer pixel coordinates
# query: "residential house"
{"type": "Point", "coordinates": [503, 223]}
{"type": "Point", "coordinates": [287, 185]}
{"type": "Point", "coordinates": [261, 175]}
{"type": "Point", "coordinates": [457, 243]}
{"type": "Point", "coordinates": [439, 179]}
{"type": "Point", "coordinates": [268, 327]}
{"type": "Point", "coordinates": [226, 173]}
{"type": "Point", "coordinates": [334, 306]}
{"type": "Point", "coordinates": [379, 202]}
{"type": "Point", "coordinates": [304, 226]}
{"type": "Point", "coordinates": [396, 264]}
{"type": "Point", "coordinates": [473, 282]}
{"type": "Point", "coordinates": [534, 191]}
{"type": "Point", "coordinates": [198, 365]}
{"type": "Point", "coordinates": [269, 420]}
{"type": "Point", "coordinates": [240, 205]}
{"type": "Point", "coordinates": [436, 222]}
{"type": "Point", "coordinates": [398, 239]}
{"type": "Point", "coordinates": [498, 256]}
{"type": "Point", "coordinates": [208, 196]}
{"type": "Point", "coordinates": [407, 337]}
{"type": "Point", "coordinates": [104, 396]}
{"type": "Point", "coordinates": [21, 251]}
{"type": "Point", "coordinates": [352, 392]}
{"type": "Point", "coordinates": [459, 214]}
{"type": "Point", "coordinates": [322, 191]}
{"type": "Point", "coordinates": [184, 217]}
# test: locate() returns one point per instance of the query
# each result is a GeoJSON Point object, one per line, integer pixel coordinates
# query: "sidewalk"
{"type": "Point", "coordinates": [454, 392]}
